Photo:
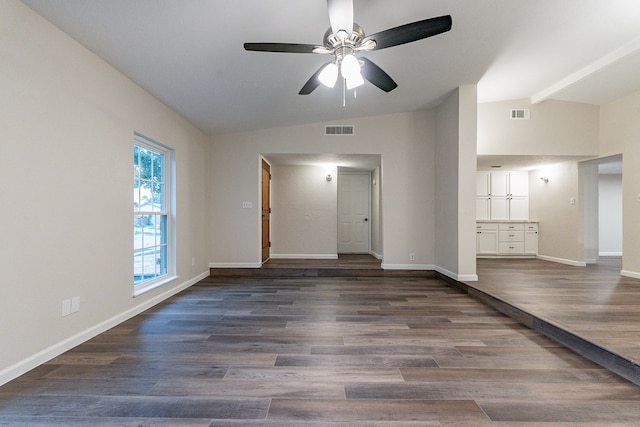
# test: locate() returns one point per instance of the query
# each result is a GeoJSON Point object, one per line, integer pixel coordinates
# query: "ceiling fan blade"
{"type": "Point", "coordinates": [313, 83]}
{"type": "Point", "coordinates": [280, 47]}
{"type": "Point", "coordinates": [341, 15]}
{"type": "Point", "coordinates": [377, 76]}
{"type": "Point", "coordinates": [411, 32]}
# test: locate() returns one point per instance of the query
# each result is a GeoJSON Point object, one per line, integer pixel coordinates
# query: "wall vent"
{"type": "Point", "coordinates": [520, 114]}
{"type": "Point", "coordinates": [339, 130]}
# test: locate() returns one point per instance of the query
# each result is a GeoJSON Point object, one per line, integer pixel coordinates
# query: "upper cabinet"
{"type": "Point", "coordinates": [502, 196]}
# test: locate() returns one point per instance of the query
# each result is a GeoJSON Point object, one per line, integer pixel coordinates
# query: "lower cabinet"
{"type": "Point", "coordinates": [506, 238]}
{"type": "Point", "coordinates": [486, 239]}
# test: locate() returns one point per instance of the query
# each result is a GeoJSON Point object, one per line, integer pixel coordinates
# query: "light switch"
{"type": "Point", "coordinates": [572, 200]}
{"type": "Point", "coordinates": [75, 304]}
{"type": "Point", "coordinates": [66, 307]}
{"type": "Point", "coordinates": [246, 205]}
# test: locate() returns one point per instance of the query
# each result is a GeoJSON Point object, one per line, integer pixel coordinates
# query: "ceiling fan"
{"type": "Point", "coordinates": [344, 39]}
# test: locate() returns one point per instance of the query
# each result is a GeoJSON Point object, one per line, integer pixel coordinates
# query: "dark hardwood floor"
{"type": "Point", "coordinates": [311, 351]}
{"type": "Point", "coordinates": [594, 304]}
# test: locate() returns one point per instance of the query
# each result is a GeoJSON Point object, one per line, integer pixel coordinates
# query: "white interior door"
{"type": "Point", "coordinates": [353, 213]}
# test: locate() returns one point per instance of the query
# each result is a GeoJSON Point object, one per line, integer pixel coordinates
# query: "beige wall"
{"type": "Point", "coordinates": [555, 128]}
{"type": "Point", "coordinates": [620, 134]}
{"type": "Point", "coordinates": [456, 121]}
{"type": "Point", "coordinates": [66, 131]}
{"type": "Point", "coordinates": [304, 222]}
{"type": "Point", "coordinates": [560, 236]}
{"type": "Point", "coordinates": [406, 143]}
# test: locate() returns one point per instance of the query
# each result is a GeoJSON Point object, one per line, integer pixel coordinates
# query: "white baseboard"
{"type": "Point", "coordinates": [610, 254]}
{"type": "Point", "coordinates": [563, 261]}
{"type": "Point", "coordinates": [406, 266]}
{"type": "Point", "coordinates": [57, 349]}
{"type": "Point", "coordinates": [632, 274]}
{"type": "Point", "coordinates": [304, 256]}
{"type": "Point", "coordinates": [375, 255]}
{"type": "Point", "coordinates": [456, 276]}
{"type": "Point", "coordinates": [235, 264]}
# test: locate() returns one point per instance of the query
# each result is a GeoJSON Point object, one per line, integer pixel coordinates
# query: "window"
{"type": "Point", "coordinates": [152, 217]}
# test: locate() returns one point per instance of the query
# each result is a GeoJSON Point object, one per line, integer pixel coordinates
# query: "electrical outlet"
{"type": "Point", "coordinates": [412, 257]}
{"type": "Point", "coordinates": [247, 205]}
{"type": "Point", "coordinates": [193, 262]}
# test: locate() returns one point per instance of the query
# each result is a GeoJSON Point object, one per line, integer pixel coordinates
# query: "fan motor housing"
{"type": "Point", "coordinates": [335, 40]}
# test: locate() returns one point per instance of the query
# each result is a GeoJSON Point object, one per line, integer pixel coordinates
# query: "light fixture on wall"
{"type": "Point", "coordinates": [544, 179]}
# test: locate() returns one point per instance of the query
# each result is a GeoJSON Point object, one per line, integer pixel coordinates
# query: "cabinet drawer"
{"type": "Point", "coordinates": [507, 226]}
{"type": "Point", "coordinates": [531, 227]}
{"type": "Point", "coordinates": [511, 236]}
{"type": "Point", "coordinates": [511, 247]}
{"type": "Point", "coordinates": [486, 226]}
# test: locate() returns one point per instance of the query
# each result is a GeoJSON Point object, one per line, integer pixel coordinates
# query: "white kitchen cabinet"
{"type": "Point", "coordinates": [519, 184]}
{"type": "Point", "coordinates": [483, 196]}
{"type": "Point", "coordinates": [507, 198]}
{"type": "Point", "coordinates": [510, 239]}
{"type": "Point", "coordinates": [483, 208]}
{"type": "Point", "coordinates": [486, 238]}
{"type": "Point", "coordinates": [483, 184]}
{"type": "Point", "coordinates": [518, 207]}
{"type": "Point", "coordinates": [507, 238]}
{"type": "Point", "coordinates": [531, 239]}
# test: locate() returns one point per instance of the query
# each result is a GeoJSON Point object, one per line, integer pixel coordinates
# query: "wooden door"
{"type": "Point", "coordinates": [353, 213]}
{"type": "Point", "coordinates": [266, 210]}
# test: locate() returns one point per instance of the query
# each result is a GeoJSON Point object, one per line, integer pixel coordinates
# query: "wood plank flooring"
{"type": "Point", "coordinates": [306, 351]}
{"type": "Point", "coordinates": [593, 303]}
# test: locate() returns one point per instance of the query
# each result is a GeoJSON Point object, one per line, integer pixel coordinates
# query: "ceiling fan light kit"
{"type": "Point", "coordinates": [344, 39]}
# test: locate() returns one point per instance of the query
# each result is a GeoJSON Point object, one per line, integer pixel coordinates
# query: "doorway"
{"type": "Point", "coordinates": [266, 210]}
{"type": "Point", "coordinates": [602, 187]}
{"type": "Point", "coordinates": [354, 212]}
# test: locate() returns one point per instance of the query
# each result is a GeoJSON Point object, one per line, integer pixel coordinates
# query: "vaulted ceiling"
{"type": "Point", "coordinates": [190, 54]}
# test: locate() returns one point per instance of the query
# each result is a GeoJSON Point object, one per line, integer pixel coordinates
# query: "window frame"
{"type": "Point", "coordinates": [168, 212]}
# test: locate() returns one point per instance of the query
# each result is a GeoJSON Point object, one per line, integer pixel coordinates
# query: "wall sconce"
{"type": "Point", "coordinates": [544, 179]}
{"type": "Point", "coordinates": [329, 178]}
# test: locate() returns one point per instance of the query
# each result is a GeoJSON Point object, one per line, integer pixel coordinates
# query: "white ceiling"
{"type": "Point", "coordinates": [190, 55]}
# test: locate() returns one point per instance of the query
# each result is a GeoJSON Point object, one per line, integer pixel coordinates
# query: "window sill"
{"type": "Point", "coordinates": [141, 289]}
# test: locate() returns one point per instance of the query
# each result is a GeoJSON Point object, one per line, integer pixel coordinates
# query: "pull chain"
{"type": "Point", "coordinates": [344, 92]}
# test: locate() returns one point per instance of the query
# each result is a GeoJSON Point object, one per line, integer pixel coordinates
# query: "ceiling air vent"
{"type": "Point", "coordinates": [339, 130]}
{"type": "Point", "coordinates": [520, 114]}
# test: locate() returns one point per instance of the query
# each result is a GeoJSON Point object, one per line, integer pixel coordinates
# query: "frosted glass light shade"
{"type": "Point", "coordinates": [355, 81]}
{"type": "Point", "coordinates": [329, 75]}
{"type": "Point", "coordinates": [350, 67]}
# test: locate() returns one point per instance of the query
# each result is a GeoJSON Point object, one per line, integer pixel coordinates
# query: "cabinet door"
{"type": "Point", "coordinates": [519, 183]}
{"type": "Point", "coordinates": [487, 242]}
{"type": "Point", "coordinates": [483, 184]}
{"type": "Point", "coordinates": [519, 209]}
{"type": "Point", "coordinates": [483, 208]}
{"type": "Point", "coordinates": [500, 208]}
{"type": "Point", "coordinates": [499, 183]}
{"type": "Point", "coordinates": [531, 242]}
